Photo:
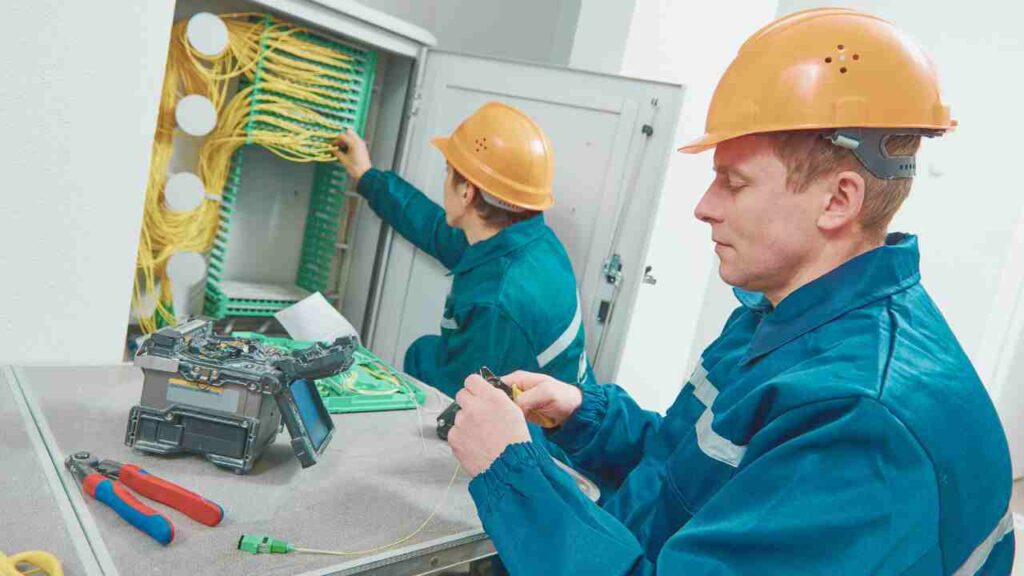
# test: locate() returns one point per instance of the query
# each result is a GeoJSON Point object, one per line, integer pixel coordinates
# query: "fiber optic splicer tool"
{"type": "Point", "coordinates": [447, 419]}
{"type": "Point", "coordinates": [108, 481]}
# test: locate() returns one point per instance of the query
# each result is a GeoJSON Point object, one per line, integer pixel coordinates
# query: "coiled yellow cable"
{"type": "Point", "coordinates": [32, 562]}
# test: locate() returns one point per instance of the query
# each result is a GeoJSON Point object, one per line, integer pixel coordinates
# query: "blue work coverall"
{"type": "Point", "coordinates": [513, 304]}
{"type": "Point", "coordinates": [842, 432]}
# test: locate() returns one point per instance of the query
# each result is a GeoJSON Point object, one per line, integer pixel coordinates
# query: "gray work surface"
{"type": "Point", "coordinates": [31, 516]}
{"type": "Point", "coordinates": [377, 482]}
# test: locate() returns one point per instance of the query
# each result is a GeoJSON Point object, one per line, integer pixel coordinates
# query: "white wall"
{"type": "Point", "coordinates": [690, 43]}
{"type": "Point", "coordinates": [78, 102]}
{"type": "Point", "coordinates": [422, 13]}
{"type": "Point", "coordinates": [534, 30]}
{"type": "Point", "coordinates": [602, 30]}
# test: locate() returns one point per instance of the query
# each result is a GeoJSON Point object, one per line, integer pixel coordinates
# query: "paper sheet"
{"type": "Point", "coordinates": [314, 319]}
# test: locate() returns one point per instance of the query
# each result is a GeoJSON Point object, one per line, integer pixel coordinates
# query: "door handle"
{"type": "Point", "coordinates": [648, 277]}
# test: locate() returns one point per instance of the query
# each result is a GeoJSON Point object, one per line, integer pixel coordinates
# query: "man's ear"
{"type": "Point", "coordinates": [468, 193]}
{"type": "Point", "coordinates": [842, 202]}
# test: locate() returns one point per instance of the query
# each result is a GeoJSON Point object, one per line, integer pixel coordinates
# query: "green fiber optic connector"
{"type": "Point", "coordinates": [259, 544]}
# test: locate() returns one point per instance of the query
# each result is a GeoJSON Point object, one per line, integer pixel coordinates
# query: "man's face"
{"type": "Point", "coordinates": [764, 233]}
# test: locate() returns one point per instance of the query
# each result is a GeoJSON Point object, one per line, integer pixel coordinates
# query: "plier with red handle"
{"type": "Point", "coordinates": [108, 481]}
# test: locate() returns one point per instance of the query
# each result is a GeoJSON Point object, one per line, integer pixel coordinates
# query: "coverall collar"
{"type": "Point", "coordinates": [886, 270]}
{"type": "Point", "coordinates": [500, 244]}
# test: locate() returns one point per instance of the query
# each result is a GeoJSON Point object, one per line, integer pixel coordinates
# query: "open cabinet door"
{"type": "Point", "coordinates": [611, 138]}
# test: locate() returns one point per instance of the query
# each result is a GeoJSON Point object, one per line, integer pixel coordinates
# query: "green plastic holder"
{"type": "Point", "coordinates": [370, 385]}
{"type": "Point", "coordinates": [327, 204]}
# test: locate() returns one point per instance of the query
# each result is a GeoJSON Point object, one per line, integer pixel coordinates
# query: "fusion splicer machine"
{"type": "Point", "coordinates": [225, 397]}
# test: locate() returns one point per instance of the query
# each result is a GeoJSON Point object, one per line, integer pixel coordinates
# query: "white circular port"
{"type": "Point", "coordinates": [186, 268]}
{"type": "Point", "coordinates": [207, 34]}
{"type": "Point", "coordinates": [195, 115]}
{"type": "Point", "coordinates": [184, 192]}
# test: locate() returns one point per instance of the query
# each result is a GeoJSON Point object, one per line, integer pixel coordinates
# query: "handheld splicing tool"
{"type": "Point", "coordinates": [446, 419]}
{"type": "Point", "coordinates": [513, 393]}
{"type": "Point", "coordinates": [108, 481]}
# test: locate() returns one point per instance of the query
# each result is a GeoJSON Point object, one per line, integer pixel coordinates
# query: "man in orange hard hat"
{"type": "Point", "coordinates": [835, 426]}
{"type": "Point", "coordinates": [513, 302]}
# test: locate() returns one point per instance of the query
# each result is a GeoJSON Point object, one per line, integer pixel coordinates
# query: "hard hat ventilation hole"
{"type": "Point", "coordinates": [481, 144]}
{"type": "Point", "coordinates": [856, 56]}
{"type": "Point", "coordinates": [842, 70]}
{"type": "Point", "coordinates": [840, 47]}
{"type": "Point", "coordinates": [828, 60]}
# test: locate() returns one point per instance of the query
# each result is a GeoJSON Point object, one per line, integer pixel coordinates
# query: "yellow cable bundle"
{"type": "Point", "coordinates": [163, 231]}
{"type": "Point", "coordinates": [280, 66]}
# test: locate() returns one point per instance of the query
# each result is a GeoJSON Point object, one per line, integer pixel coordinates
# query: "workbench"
{"type": "Point", "coordinates": [380, 478]}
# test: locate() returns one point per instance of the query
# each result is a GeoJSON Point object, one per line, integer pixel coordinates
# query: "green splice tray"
{"type": "Point", "coordinates": [370, 385]}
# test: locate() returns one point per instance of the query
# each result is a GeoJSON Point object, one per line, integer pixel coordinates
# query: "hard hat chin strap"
{"type": "Point", "coordinates": [868, 145]}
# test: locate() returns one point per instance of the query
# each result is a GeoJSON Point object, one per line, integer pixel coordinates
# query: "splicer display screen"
{"type": "Point", "coordinates": [311, 411]}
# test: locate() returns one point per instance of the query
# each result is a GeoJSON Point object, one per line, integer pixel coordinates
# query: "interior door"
{"type": "Point", "coordinates": [611, 138]}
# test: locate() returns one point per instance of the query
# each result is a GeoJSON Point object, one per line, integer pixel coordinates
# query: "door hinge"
{"type": "Point", "coordinates": [414, 109]}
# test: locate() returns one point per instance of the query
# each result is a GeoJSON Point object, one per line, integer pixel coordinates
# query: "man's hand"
{"type": "Point", "coordinates": [487, 423]}
{"type": "Point", "coordinates": [543, 395]}
{"type": "Point", "coordinates": [352, 154]}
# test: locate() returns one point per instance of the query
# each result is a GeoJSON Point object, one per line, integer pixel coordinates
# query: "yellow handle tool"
{"type": "Point", "coordinates": [544, 421]}
{"type": "Point", "coordinates": [513, 393]}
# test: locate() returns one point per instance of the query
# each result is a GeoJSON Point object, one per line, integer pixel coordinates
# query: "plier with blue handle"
{"type": "Point", "coordinates": [108, 481]}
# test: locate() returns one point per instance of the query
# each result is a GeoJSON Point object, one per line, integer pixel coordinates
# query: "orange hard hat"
{"type": "Point", "coordinates": [504, 153]}
{"type": "Point", "coordinates": [826, 68]}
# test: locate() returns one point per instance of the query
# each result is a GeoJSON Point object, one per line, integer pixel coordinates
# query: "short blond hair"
{"type": "Point", "coordinates": [808, 156]}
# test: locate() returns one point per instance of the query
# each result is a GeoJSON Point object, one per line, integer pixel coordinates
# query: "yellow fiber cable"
{"type": "Point", "coordinates": [402, 540]}
{"type": "Point", "coordinates": [348, 382]}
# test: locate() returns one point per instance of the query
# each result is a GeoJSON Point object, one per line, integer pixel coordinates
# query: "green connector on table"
{"type": "Point", "coordinates": [259, 544]}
